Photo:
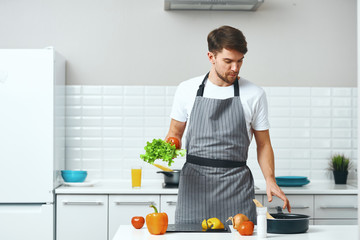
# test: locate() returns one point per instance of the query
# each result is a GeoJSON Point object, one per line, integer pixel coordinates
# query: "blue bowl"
{"type": "Point", "coordinates": [73, 175]}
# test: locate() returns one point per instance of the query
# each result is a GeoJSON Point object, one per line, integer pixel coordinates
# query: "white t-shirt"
{"type": "Point", "coordinates": [253, 99]}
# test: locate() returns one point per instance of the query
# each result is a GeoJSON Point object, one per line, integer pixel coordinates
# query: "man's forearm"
{"type": "Point", "coordinates": [266, 161]}
{"type": "Point", "coordinates": [176, 129]}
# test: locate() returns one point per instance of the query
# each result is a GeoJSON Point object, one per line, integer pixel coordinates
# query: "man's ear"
{"type": "Point", "coordinates": [211, 57]}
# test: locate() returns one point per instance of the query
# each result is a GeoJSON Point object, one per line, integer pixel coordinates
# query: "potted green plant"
{"type": "Point", "coordinates": [339, 165]}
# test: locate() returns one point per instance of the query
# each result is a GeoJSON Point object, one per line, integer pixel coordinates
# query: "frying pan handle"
{"type": "Point", "coordinates": [279, 210]}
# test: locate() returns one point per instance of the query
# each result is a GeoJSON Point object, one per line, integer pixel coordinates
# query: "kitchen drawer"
{"type": "Point", "coordinates": [260, 198]}
{"type": "Point", "coordinates": [81, 217]}
{"type": "Point", "coordinates": [123, 207]}
{"type": "Point", "coordinates": [336, 222]}
{"type": "Point", "coordinates": [336, 206]}
{"type": "Point", "coordinates": [300, 204]}
{"type": "Point", "coordinates": [168, 205]}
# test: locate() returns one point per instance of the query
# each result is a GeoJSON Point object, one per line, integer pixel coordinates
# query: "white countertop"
{"type": "Point", "coordinates": [155, 187]}
{"type": "Point", "coordinates": [118, 187]}
{"type": "Point", "coordinates": [315, 232]}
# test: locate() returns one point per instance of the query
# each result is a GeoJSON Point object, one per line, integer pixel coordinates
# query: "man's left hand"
{"type": "Point", "coordinates": [272, 189]}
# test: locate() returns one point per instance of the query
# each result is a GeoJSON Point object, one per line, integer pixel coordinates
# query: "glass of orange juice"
{"type": "Point", "coordinates": [136, 176]}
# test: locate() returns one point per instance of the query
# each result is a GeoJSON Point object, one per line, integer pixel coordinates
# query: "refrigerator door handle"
{"type": "Point", "coordinates": [83, 203]}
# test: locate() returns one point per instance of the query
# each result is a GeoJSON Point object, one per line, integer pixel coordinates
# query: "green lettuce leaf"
{"type": "Point", "coordinates": [159, 149]}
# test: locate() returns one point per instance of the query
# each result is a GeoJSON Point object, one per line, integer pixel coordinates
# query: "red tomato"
{"type": "Point", "coordinates": [174, 141]}
{"type": "Point", "coordinates": [246, 228]}
{"type": "Point", "coordinates": [138, 222]}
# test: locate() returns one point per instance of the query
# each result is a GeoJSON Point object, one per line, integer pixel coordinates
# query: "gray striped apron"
{"type": "Point", "coordinates": [215, 180]}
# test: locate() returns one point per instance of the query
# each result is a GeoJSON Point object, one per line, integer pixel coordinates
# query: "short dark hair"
{"type": "Point", "coordinates": [226, 37]}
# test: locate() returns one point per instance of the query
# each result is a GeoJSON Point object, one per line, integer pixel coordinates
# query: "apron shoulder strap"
{"type": "Point", "coordinates": [236, 87]}
{"type": "Point", "coordinates": [200, 91]}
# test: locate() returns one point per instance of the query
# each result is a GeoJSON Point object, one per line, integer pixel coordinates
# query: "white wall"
{"type": "Point", "coordinates": [135, 42]}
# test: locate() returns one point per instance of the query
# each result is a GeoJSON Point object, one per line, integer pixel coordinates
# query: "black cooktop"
{"type": "Point", "coordinates": [194, 228]}
{"type": "Point", "coordinates": [164, 185]}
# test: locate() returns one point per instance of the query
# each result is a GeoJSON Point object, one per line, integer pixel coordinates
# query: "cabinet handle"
{"type": "Point", "coordinates": [295, 207]}
{"type": "Point", "coordinates": [171, 202]}
{"type": "Point", "coordinates": [338, 207]}
{"type": "Point", "coordinates": [83, 203]}
{"type": "Point", "coordinates": [135, 203]}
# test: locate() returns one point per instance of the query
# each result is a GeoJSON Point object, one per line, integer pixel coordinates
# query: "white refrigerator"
{"type": "Point", "coordinates": [32, 141]}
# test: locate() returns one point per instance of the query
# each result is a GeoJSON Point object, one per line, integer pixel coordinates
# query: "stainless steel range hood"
{"type": "Point", "coordinates": [228, 5]}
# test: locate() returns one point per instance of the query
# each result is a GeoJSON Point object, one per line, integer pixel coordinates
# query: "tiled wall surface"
{"type": "Point", "coordinates": [108, 127]}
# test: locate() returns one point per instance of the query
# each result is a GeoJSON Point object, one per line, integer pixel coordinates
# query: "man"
{"type": "Point", "coordinates": [222, 112]}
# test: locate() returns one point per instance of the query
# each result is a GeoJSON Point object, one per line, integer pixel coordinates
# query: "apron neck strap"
{"type": "Point", "coordinates": [236, 87]}
{"type": "Point", "coordinates": [200, 91]}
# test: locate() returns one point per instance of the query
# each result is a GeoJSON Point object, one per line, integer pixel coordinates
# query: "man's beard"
{"type": "Point", "coordinates": [224, 78]}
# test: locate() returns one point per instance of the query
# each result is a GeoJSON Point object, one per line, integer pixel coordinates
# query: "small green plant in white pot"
{"type": "Point", "coordinates": [340, 165]}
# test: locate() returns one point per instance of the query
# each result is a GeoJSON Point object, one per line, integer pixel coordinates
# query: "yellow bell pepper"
{"type": "Point", "coordinates": [212, 223]}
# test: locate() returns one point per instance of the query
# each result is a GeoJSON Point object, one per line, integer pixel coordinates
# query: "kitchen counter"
{"type": "Point", "coordinates": [155, 187]}
{"type": "Point", "coordinates": [118, 187]}
{"type": "Point", "coordinates": [319, 232]}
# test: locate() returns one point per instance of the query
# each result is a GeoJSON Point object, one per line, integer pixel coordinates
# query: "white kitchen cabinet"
{"type": "Point", "coordinates": [168, 205]}
{"type": "Point", "coordinates": [300, 204]}
{"type": "Point", "coordinates": [123, 207]}
{"type": "Point", "coordinates": [336, 209]}
{"type": "Point", "coordinates": [90, 216]}
{"type": "Point", "coordinates": [82, 217]}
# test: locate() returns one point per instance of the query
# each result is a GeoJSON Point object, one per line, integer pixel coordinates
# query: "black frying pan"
{"type": "Point", "coordinates": [287, 222]}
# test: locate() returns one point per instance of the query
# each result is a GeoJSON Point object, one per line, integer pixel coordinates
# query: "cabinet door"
{"type": "Point", "coordinates": [81, 217]}
{"type": "Point", "coordinates": [336, 222]}
{"type": "Point", "coordinates": [259, 197]}
{"type": "Point", "coordinates": [336, 206]}
{"type": "Point", "coordinates": [123, 207]}
{"type": "Point", "coordinates": [168, 205]}
{"type": "Point", "coordinates": [300, 204]}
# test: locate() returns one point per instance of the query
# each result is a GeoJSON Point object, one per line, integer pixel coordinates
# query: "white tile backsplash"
{"type": "Point", "coordinates": [92, 100]}
{"type": "Point", "coordinates": [299, 122]}
{"type": "Point", "coordinates": [112, 111]}
{"type": "Point", "coordinates": [300, 101]}
{"type": "Point", "coordinates": [320, 133]}
{"type": "Point", "coordinates": [91, 90]}
{"type": "Point", "coordinates": [320, 112]}
{"type": "Point", "coordinates": [91, 121]}
{"type": "Point", "coordinates": [113, 100]}
{"type": "Point", "coordinates": [155, 91]}
{"type": "Point", "coordinates": [117, 91]}
{"type": "Point", "coordinates": [342, 112]}
{"type": "Point", "coordinates": [108, 127]}
{"type": "Point", "coordinates": [341, 92]}
{"type": "Point", "coordinates": [300, 111]}
{"type": "Point", "coordinates": [300, 91]}
{"type": "Point", "coordinates": [113, 121]}
{"type": "Point", "coordinates": [320, 101]}
{"type": "Point", "coordinates": [320, 92]}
